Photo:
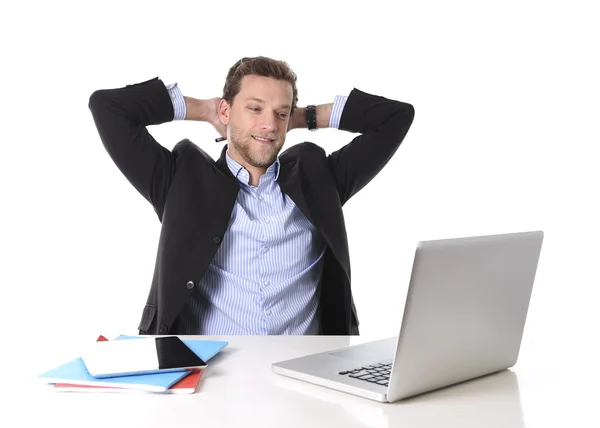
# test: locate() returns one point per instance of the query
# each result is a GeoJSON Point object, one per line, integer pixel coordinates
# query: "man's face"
{"type": "Point", "coordinates": [258, 118]}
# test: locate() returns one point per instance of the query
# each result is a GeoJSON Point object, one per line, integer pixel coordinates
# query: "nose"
{"type": "Point", "coordinates": [269, 123]}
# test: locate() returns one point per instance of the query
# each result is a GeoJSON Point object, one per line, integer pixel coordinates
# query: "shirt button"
{"type": "Point", "coordinates": [261, 198]}
{"type": "Point", "coordinates": [162, 329]}
{"type": "Point", "coordinates": [265, 249]}
{"type": "Point", "coordinates": [189, 285]}
{"type": "Point", "coordinates": [268, 312]}
{"type": "Point", "coordinates": [265, 283]}
{"type": "Point", "coordinates": [267, 219]}
{"type": "Point", "coordinates": [217, 239]}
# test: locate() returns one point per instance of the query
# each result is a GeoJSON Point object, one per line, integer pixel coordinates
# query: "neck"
{"type": "Point", "coordinates": [255, 172]}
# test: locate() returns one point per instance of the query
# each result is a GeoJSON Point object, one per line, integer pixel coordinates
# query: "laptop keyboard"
{"type": "Point", "coordinates": [375, 373]}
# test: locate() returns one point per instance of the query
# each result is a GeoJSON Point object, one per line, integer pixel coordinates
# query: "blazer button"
{"type": "Point", "coordinates": [217, 239]}
{"type": "Point", "coordinates": [162, 329]}
{"type": "Point", "coordinates": [189, 285]}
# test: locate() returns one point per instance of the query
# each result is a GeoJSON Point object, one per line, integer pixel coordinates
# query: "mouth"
{"type": "Point", "coordinates": [263, 140]}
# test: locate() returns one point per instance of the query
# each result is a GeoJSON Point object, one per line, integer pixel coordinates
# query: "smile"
{"type": "Point", "coordinates": [263, 140]}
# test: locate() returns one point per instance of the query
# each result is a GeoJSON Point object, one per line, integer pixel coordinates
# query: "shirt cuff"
{"type": "Point", "coordinates": [336, 112]}
{"type": "Point", "coordinates": [178, 102]}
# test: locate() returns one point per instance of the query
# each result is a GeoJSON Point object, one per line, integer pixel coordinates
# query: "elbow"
{"type": "Point", "coordinates": [95, 101]}
{"type": "Point", "coordinates": [403, 120]}
{"type": "Point", "coordinates": [410, 112]}
{"type": "Point", "coordinates": [408, 115]}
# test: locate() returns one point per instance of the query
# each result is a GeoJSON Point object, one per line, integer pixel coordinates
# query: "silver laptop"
{"type": "Point", "coordinates": [464, 318]}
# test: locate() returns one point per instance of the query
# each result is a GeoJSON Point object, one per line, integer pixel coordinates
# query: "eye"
{"type": "Point", "coordinates": [283, 115]}
{"type": "Point", "coordinates": [254, 108]}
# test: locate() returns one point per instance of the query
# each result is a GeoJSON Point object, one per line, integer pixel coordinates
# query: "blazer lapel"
{"type": "Point", "coordinates": [222, 164]}
{"type": "Point", "coordinates": [334, 233]}
{"type": "Point", "coordinates": [290, 182]}
{"type": "Point", "coordinates": [225, 200]}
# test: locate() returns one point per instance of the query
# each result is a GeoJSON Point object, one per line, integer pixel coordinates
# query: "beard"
{"type": "Point", "coordinates": [254, 153]}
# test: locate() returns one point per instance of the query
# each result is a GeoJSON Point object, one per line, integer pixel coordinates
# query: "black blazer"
{"type": "Point", "coordinates": [193, 195]}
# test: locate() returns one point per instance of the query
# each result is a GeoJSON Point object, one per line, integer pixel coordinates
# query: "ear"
{"type": "Point", "coordinates": [224, 112]}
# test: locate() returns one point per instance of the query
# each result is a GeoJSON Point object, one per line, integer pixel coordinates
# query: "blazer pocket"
{"type": "Point", "coordinates": [147, 316]}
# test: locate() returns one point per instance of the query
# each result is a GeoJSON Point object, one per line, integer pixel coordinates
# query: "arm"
{"type": "Point", "coordinates": [383, 124]}
{"type": "Point", "coordinates": [298, 119]}
{"type": "Point", "coordinates": [122, 116]}
{"type": "Point", "coordinates": [204, 111]}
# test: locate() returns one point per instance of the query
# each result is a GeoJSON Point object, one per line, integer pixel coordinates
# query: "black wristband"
{"type": "Point", "coordinates": [311, 117]}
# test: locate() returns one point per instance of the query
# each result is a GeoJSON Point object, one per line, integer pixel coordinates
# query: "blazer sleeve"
{"type": "Point", "coordinates": [383, 124]}
{"type": "Point", "coordinates": [122, 116]}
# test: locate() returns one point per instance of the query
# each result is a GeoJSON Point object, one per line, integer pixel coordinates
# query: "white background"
{"type": "Point", "coordinates": [504, 139]}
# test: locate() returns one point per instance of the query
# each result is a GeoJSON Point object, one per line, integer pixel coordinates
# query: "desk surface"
{"type": "Point", "coordinates": [239, 390]}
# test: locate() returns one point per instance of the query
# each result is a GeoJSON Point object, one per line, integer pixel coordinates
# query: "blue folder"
{"type": "Point", "coordinates": [75, 371]}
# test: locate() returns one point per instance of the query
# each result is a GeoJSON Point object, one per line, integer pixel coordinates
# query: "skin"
{"type": "Point", "coordinates": [261, 109]}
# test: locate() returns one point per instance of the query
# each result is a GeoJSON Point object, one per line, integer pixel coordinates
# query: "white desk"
{"type": "Point", "coordinates": [239, 390]}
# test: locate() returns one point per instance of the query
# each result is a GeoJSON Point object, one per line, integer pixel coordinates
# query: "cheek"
{"type": "Point", "coordinates": [245, 125]}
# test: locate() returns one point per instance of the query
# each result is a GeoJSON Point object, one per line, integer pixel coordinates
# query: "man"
{"type": "Point", "coordinates": [255, 242]}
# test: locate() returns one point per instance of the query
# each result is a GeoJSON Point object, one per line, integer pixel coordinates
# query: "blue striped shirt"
{"type": "Point", "coordinates": [265, 276]}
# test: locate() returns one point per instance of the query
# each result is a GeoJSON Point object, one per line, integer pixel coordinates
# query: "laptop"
{"type": "Point", "coordinates": [464, 318]}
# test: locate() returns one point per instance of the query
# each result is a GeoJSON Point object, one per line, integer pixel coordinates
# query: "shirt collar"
{"type": "Point", "coordinates": [236, 169]}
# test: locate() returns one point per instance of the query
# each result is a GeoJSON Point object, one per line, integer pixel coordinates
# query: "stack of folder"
{"type": "Point", "coordinates": [73, 376]}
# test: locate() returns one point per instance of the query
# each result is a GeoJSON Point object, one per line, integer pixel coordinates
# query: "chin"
{"type": "Point", "coordinates": [263, 161]}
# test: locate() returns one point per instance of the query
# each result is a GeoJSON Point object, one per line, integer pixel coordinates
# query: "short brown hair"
{"type": "Point", "coordinates": [258, 66]}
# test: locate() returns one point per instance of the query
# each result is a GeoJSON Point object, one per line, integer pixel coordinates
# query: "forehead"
{"type": "Point", "coordinates": [267, 89]}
